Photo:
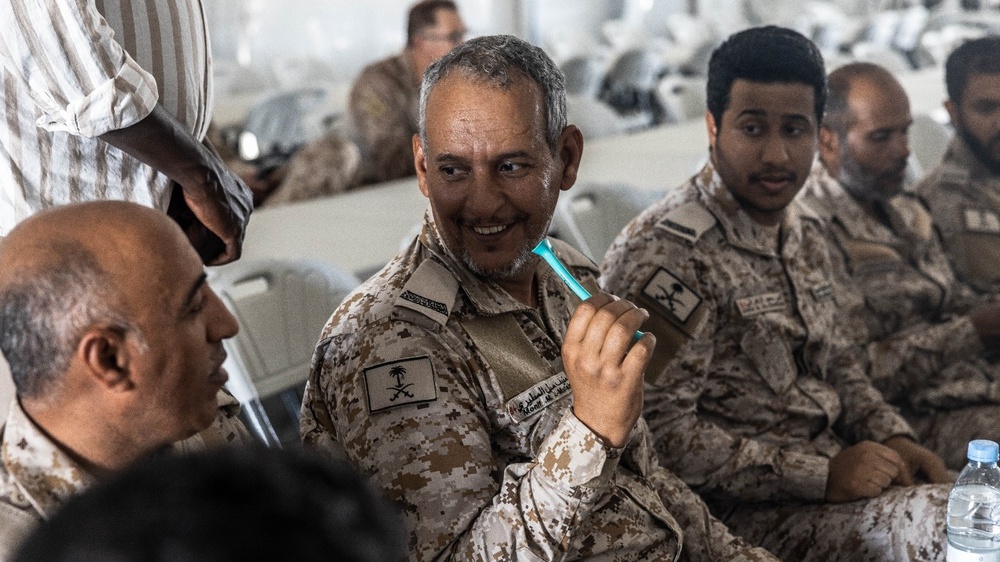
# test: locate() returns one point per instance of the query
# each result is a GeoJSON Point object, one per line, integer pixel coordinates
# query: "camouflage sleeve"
{"type": "Point", "coordinates": [381, 118]}
{"type": "Point", "coordinates": [432, 454]}
{"type": "Point", "coordinates": [709, 457]}
{"type": "Point", "coordinates": [912, 359]}
{"type": "Point", "coordinates": [705, 537]}
{"type": "Point", "coordinates": [866, 415]}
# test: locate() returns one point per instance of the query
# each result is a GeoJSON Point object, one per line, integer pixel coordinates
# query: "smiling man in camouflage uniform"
{"type": "Point", "coordinates": [752, 397]}
{"type": "Point", "coordinates": [924, 332]}
{"type": "Point", "coordinates": [496, 409]}
{"type": "Point", "coordinates": [963, 192]}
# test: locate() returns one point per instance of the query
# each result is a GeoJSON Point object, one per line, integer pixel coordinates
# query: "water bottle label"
{"type": "Point", "coordinates": [956, 555]}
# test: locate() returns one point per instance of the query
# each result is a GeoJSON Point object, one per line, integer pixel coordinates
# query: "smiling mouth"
{"type": "Point", "coordinates": [488, 230]}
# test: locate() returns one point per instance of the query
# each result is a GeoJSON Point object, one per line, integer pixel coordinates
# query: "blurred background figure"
{"type": "Point", "coordinates": [226, 505]}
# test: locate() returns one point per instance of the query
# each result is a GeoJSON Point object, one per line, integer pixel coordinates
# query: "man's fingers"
{"type": "Point", "coordinates": [580, 321]}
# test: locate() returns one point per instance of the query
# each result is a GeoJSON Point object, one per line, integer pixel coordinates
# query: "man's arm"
{"type": "Point", "coordinates": [461, 496]}
{"type": "Point", "coordinates": [381, 119]}
{"type": "Point", "coordinates": [219, 200]}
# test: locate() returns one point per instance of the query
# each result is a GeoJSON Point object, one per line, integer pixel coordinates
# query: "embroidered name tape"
{"type": "Point", "coordinates": [538, 397]}
{"type": "Point", "coordinates": [398, 383]}
{"type": "Point", "coordinates": [822, 291]}
{"type": "Point", "coordinates": [672, 294]}
{"type": "Point", "coordinates": [982, 221]}
{"type": "Point", "coordinates": [760, 304]}
{"type": "Point", "coordinates": [433, 305]}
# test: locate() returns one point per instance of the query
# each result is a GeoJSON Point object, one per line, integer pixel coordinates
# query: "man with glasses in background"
{"type": "Point", "coordinates": [385, 97]}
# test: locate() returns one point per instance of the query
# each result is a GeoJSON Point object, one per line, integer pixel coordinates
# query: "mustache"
{"type": "Point", "coordinates": [774, 173]}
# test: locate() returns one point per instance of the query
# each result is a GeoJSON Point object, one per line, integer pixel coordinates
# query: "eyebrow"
{"type": "Point", "coordinates": [194, 288]}
{"type": "Point", "coordinates": [449, 157]}
{"type": "Point", "coordinates": [762, 113]}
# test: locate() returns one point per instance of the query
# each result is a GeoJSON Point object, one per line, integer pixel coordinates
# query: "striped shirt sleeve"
{"type": "Point", "coordinates": [66, 56]}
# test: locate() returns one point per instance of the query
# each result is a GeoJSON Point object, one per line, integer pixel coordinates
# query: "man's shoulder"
{"type": "Point", "coordinates": [412, 289]}
{"type": "Point", "coordinates": [17, 516]}
{"type": "Point", "coordinates": [388, 69]}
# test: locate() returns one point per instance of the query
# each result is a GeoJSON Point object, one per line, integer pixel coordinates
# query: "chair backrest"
{"type": "Point", "coordinates": [281, 308]}
{"type": "Point", "coordinates": [595, 118]}
{"type": "Point", "coordinates": [682, 98]}
{"type": "Point", "coordinates": [590, 216]}
{"type": "Point", "coordinates": [584, 75]}
{"type": "Point", "coordinates": [277, 124]}
{"type": "Point", "coordinates": [928, 140]}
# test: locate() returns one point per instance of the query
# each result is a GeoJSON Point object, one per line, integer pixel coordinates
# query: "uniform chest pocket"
{"type": "Point", "coordinates": [770, 355]}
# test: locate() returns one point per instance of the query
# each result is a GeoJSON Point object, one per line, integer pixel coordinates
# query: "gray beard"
{"type": "Point", "coordinates": [860, 183]}
{"type": "Point", "coordinates": [515, 267]}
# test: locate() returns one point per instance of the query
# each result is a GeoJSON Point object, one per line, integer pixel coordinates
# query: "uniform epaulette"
{"type": "Point", "coordinates": [954, 175]}
{"type": "Point", "coordinates": [572, 257]}
{"type": "Point", "coordinates": [431, 290]}
{"type": "Point", "coordinates": [689, 221]}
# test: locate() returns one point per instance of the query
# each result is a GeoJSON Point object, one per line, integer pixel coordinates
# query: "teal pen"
{"type": "Point", "coordinates": [544, 249]}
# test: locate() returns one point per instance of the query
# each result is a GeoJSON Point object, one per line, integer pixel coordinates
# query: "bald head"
{"type": "Point", "coordinates": [856, 82]}
{"type": "Point", "coordinates": [70, 268]}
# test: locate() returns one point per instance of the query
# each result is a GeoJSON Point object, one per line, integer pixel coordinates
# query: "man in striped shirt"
{"type": "Point", "coordinates": [108, 99]}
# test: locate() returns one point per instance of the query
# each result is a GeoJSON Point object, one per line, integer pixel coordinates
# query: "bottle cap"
{"type": "Point", "coordinates": [983, 450]}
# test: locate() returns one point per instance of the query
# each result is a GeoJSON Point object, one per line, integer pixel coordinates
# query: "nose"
{"type": "Point", "coordinates": [774, 151]}
{"type": "Point", "coordinates": [485, 197]}
{"type": "Point", "coordinates": [222, 324]}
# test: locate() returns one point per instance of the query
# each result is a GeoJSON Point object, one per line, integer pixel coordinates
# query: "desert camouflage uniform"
{"type": "Point", "coordinates": [37, 477]}
{"type": "Point", "coordinates": [384, 106]}
{"type": "Point", "coordinates": [451, 395]}
{"type": "Point", "coordinates": [325, 166]}
{"type": "Point", "coordinates": [923, 352]}
{"type": "Point", "coordinates": [964, 199]}
{"type": "Point", "coordinates": [749, 394]}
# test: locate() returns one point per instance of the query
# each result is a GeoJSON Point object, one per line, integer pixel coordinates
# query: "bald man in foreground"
{"type": "Point", "coordinates": [927, 336]}
{"type": "Point", "coordinates": [114, 341]}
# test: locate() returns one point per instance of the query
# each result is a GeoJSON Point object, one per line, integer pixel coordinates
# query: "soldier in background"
{"type": "Point", "coordinates": [925, 333]}
{"type": "Point", "coordinates": [752, 396]}
{"type": "Point", "coordinates": [504, 424]}
{"type": "Point", "coordinates": [963, 192]}
{"type": "Point", "coordinates": [115, 343]}
{"type": "Point", "coordinates": [384, 98]}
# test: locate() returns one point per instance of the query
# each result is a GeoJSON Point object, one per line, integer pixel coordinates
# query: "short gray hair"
{"type": "Point", "coordinates": [43, 317]}
{"type": "Point", "coordinates": [500, 60]}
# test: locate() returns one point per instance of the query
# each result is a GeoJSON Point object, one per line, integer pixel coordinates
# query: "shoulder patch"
{"type": "Point", "coordinates": [398, 383]}
{"type": "Point", "coordinates": [980, 220]}
{"type": "Point", "coordinates": [431, 291]}
{"type": "Point", "coordinates": [689, 221]}
{"type": "Point", "coordinates": [672, 295]}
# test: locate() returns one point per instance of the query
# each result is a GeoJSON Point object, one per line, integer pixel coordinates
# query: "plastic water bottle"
{"type": "Point", "coordinates": [974, 507]}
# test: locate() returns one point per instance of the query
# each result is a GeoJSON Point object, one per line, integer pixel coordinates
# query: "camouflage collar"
{"type": "Point", "coordinates": [960, 160]}
{"type": "Point", "coordinates": [46, 475]}
{"type": "Point", "coordinates": [486, 297]}
{"type": "Point", "coordinates": [739, 229]}
{"type": "Point", "coordinates": [840, 206]}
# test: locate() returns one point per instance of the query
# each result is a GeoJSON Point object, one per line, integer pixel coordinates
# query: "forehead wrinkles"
{"type": "Point", "coordinates": [479, 117]}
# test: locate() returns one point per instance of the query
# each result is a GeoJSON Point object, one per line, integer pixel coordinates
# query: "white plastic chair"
{"type": "Point", "coordinates": [595, 118]}
{"type": "Point", "coordinates": [682, 98]}
{"type": "Point", "coordinates": [590, 216]}
{"type": "Point", "coordinates": [928, 140]}
{"type": "Point", "coordinates": [281, 308]}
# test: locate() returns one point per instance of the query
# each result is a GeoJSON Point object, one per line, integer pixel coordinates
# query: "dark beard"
{"type": "Point", "coordinates": [979, 149]}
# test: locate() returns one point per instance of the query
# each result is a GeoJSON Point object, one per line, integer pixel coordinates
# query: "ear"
{"type": "Point", "coordinates": [829, 149]}
{"type": "Point", "coordinates": [570, 150]}
{"type": "Point", "coordinates": [420, 163]}
{"type": "Point", "coordinates": [106, 356]}
{"type": "Point", "coordinates": [713, 129]}
{"type": "Point", "coordinates": [953, 114]}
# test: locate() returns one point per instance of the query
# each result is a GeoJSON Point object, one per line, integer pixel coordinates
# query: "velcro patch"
{"type": "Point", "coordinates": [398, 383]}
{"type": "Point", "coordinates": [982, 221]}
{"type": "Point", "coordinates": [760, 304]}
{"type": "Point", "coordinates": [538, 397]}
{"type": "Point", "coordinates": [672, 294]}
{"type": "Point", "coordinates": [823, 291]}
